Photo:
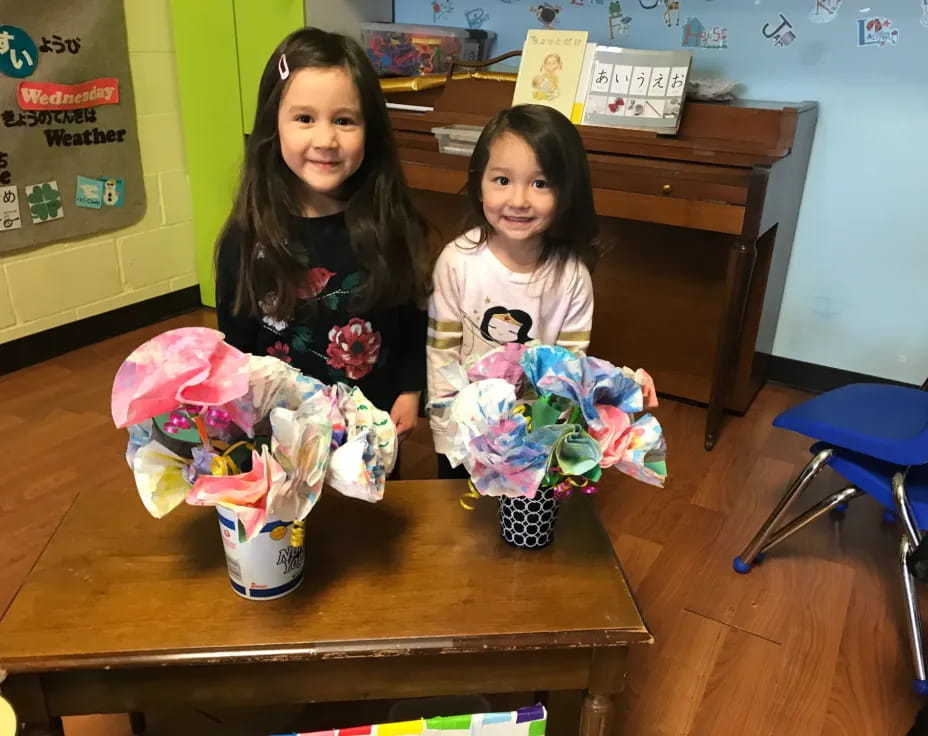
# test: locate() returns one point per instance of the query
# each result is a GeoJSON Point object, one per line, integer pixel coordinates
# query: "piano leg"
{"type": "Point", "coordinates": [737, 286]}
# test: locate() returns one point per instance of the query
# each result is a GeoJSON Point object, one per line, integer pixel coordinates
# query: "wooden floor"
{"type": "Point", "coordinates": [810, 643]}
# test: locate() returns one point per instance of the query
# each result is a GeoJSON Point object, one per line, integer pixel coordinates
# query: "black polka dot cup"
{"type": "Point", "coordinates": [528, 523]}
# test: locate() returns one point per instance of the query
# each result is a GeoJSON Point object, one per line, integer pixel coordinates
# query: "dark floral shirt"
{"type": "Point", "coordinates": [382, 352]}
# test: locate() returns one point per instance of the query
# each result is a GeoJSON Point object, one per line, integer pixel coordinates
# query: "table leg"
{"type": "Point", "coordinates": [137, 724]}
{"type": "Point", "coordinates": [54, 727]}
{"type": "Point", "coordinates": [28, 700]}
{"type": "Point", "coordinates": [600, 715]}
{"type": "Point", "coordinates": [738, 284]}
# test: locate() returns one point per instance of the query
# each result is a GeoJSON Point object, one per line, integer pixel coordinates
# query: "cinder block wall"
{"type": "Point", "coordinates": [54, 284]}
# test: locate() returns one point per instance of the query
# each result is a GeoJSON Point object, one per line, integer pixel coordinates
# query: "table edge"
{"type": "Point", "coordinates": [330, 650]}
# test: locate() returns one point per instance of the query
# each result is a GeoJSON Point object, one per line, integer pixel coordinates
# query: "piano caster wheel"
{"type": "Point", "coordinates": [710, 442]}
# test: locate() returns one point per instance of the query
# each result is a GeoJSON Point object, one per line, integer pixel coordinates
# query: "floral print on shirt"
{"type": "Point", "coordinates": [281, 351]}
{"type": "Point", "coordinates": [313, 282]}
{"type": "Point", "coordinates": [353, 348]}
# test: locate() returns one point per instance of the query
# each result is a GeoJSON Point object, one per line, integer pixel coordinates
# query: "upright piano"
{"type": "Point", "coordinates": [697, 227]}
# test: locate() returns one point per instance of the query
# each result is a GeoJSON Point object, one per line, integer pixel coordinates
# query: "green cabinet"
{"type": "Point", "coordinates": [221, 47]}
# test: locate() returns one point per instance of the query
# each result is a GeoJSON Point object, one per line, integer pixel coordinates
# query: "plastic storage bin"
{"type": "Point", "coordinates": [408, 50]}
{"type": "Point", "coordinates": [457, 139]}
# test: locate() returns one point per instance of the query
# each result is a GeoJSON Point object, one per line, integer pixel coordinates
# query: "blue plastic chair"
{"type": "Point", "coordinates": [876, 437]}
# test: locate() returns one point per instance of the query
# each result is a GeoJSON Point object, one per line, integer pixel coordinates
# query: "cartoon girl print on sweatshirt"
{"type": "Point", "coordinates": [498, 326]}
{"type": "Point", "coordinates": [502, 325]}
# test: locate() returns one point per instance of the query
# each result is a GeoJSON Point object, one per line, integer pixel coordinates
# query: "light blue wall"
{"type": "Point", "coordinates": [857, 292]}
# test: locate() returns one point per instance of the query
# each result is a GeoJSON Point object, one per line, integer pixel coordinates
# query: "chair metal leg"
{"type": "Point", "coordinates": [743, 562]}
{"type": "Point", "coordinates": [914, 617]}
{"type": "Point", "coordinates": [807, 517]}
{"type": "Point", "coordinates": [911, 536]}
{"type": "Point", "coordinates": [904, 510]}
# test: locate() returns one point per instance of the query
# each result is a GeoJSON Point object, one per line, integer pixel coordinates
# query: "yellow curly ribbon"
{"type": "Point", "coordinates": [467, 501]}
{"type": "Point", "coordinates": [523, 410]}
{"type": "Point", "coordinates": [297, 531]}
{"type": "Point", "coordinates": [563, 489]}
{"type": "Point", "coordinates": [223, 464]}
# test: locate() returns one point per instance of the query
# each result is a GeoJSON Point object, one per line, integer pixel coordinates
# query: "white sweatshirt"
{"type": "Point", "coordinates": [478, 304]}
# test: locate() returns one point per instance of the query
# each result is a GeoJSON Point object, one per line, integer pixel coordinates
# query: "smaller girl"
{"type": "Point", "coordinates": [521, 272]}
{"type": "Point", "coordinates": [323, 259]}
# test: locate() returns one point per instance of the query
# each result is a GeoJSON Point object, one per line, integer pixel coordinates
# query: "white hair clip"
{"type": "Point", "coordinates": [282, 67]}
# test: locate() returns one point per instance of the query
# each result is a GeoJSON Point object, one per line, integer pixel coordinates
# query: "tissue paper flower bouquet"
{"type": "Point", "coordinates": [253, 437]}
{"type": "Point", "coordinates": [534, 424]}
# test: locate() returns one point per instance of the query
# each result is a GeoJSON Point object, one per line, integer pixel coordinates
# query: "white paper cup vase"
{"type": "Point", "coordinates": [528, 523]}
{"type": "Point", "coordinates": [266, 567]}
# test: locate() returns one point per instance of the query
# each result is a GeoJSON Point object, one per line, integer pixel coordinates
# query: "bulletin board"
{"type": "Point", "coordinates": [69, 150]}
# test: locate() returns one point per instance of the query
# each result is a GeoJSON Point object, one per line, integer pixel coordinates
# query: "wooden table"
{"type": "Point", "coordinates": [413, 596]}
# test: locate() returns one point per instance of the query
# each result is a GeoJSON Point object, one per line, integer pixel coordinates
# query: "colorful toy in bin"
{"type": "Point", "coordinates": [407, 50]}
{"type": "Point", "coordinates": [534, 424]}
{"type": "Point", "coordinates": [253, 437]}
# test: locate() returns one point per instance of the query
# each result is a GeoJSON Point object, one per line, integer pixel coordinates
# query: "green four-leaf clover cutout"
{"type": "Point", "coordinates": [44, 202]}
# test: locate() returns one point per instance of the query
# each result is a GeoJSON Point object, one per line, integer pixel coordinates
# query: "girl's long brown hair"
{"type": "Point", "coordinates": [387, 234]}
